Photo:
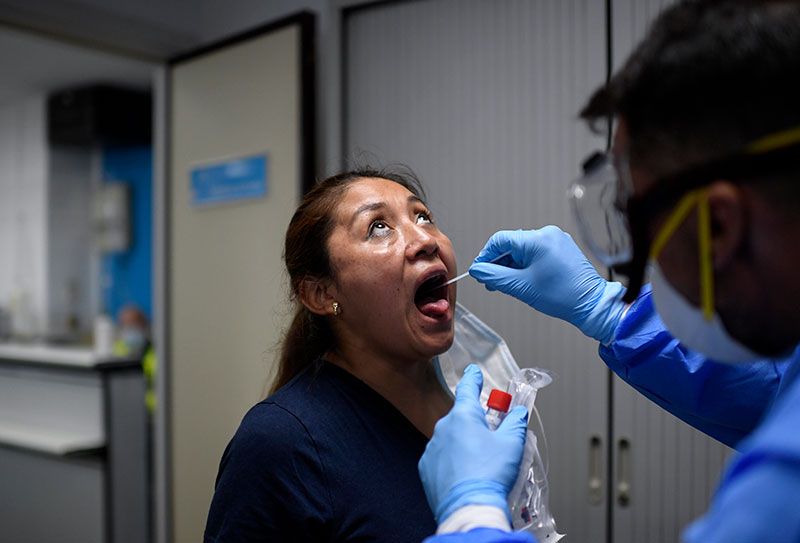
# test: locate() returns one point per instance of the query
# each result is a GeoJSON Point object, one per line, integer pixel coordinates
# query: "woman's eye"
{"type": "Point", "coordinates": [423, 217]}
{"type": "Point", "coordinates": [377, 228]}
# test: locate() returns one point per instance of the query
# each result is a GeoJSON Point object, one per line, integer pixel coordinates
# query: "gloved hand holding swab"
{"type": "Point", "coordinates": [466, 273]}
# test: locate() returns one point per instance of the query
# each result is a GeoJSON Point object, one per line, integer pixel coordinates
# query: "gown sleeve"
{"type": "Point", "coordinates": [726, 401]}
{"type": "Point", "coordinates": [271, 484]}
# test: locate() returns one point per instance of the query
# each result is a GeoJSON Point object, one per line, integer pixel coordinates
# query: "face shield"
{"type": "Point", "coordinates": [616, 224]}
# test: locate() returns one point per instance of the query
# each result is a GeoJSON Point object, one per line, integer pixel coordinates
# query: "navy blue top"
{"type": "Point", "coordinates": [325, 458]}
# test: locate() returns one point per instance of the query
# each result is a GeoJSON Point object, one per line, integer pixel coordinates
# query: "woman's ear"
{"type": "Point", "coordinates": [317, 295]}
{"type": "Point", "coordinates": [727, 207]}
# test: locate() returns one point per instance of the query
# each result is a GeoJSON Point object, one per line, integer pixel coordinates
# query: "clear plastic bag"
{"type": "Point", "coordinates": [475, 342]}
{"type": "Point", "coordinates": [528, 500]}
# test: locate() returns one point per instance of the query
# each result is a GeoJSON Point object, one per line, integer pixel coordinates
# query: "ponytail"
{"type": "Point", "coordinates": [307, 339]}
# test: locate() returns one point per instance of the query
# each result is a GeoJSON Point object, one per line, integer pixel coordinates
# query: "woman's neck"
{"type": "Point", "coordinates": [411, 386]}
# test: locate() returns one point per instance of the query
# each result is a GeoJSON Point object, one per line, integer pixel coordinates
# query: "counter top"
{"type": "Point", "coordinates": [61, 355]}
{"type": "Point", "coordinates": [52, 441]}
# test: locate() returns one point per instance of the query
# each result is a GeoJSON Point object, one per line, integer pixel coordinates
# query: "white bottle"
{"type": "Point", "coordinates": [103, 336]}
{"type": "Point", "coordinates": [497, 407]}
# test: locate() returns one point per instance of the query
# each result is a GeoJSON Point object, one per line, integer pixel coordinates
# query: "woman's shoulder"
{"type": "Point", "coordinates": [267, 433]}
{"type": "Point", "coordinates": [270, 419]}
{"type": "Point", "coordinates": [317, 387]}
{"type": "Point", "coordinates": [288, 411]}
{"type": "Point", "coordinates": [271, 480]}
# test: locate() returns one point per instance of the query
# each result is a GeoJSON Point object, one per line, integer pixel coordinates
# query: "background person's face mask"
{"type": "Point", "coordinates": [134, 338]}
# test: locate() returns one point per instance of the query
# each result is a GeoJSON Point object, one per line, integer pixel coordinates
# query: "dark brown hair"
{"type": "Point", "coordinates": [306, 256]}
{"type": "Point", "coordinates": [709, 77]}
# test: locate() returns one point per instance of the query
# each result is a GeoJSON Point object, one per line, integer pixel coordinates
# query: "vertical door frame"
{"type": "Point", "coordinates": [163, 491]}
{"type": "Point", "coordinates": [609, 448]}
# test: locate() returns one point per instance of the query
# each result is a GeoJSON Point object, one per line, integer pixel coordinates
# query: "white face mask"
{"type": "Point", "coordinates": [686, 324]}
{"type": "Point", "coordinates": [134, 337]}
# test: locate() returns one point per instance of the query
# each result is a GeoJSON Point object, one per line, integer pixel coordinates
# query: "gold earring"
{"type": "Point", "coordinates": [335, 308]}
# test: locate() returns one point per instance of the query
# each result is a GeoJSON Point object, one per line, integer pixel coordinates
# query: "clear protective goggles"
{"type": "Point", "coordinates": [615, 223]}
{"type": "Point", "coordinates": [599, 201]}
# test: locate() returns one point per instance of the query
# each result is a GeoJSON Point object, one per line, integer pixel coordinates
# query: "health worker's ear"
{"type": "Point", "coordinates": [317, 295]}
{"type": "Point", "coordinates": [728, 209]}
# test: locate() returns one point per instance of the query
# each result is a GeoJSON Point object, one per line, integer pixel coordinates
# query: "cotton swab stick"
{"type": "Point", "coordinates": [463, 275]}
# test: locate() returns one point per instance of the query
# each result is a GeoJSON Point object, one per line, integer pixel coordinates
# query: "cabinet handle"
{"type": "Point", "coordinates": [595, 470]}
{"type": "Point", "coordinates": [623, 472]}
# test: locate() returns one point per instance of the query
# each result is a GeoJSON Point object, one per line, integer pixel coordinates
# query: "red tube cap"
{"type": "Point", "coordinates": [499, 400]}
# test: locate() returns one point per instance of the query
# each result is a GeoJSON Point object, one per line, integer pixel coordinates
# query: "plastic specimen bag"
{"type": "Point", "coordinates": [476, 343]}
{"type": "Point", "coordinates": [528, 500]}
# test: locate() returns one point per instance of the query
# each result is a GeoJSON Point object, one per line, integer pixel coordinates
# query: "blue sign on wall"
{"type": "Point", "coordinates": [236, 179]}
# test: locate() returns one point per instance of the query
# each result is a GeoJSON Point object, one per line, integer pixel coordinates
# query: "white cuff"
{"type": "Point", "coordinates": [621, 318]}
{"type": "Point", "coordinates": [470, 517]}
{"type": "Point", "coordinates": [624, 312]}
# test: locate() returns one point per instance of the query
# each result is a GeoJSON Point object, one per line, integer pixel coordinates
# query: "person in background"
{"type": "Point", "coordinates": [133, 340]}
{"type": "Point", "coordinates": [133, 336]}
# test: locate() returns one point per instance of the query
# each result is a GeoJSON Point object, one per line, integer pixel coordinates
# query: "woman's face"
{"type": "Point", "coordinates": [389, 262]}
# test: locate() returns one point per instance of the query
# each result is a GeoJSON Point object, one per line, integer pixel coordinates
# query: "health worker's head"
{"type": "Point", "coordinates": [708, 121]}
{"type": "Point", "coordinates": [366, 264]}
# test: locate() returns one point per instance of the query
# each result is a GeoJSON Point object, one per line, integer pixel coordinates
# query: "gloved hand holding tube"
{"type": "Point", "coordinates": [466, 463]}
{"type": "Point", "coordinates": [548, 271]}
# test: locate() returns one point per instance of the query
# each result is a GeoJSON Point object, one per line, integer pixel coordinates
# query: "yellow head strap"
{"type": "Point", "coordinates": [678, 215]}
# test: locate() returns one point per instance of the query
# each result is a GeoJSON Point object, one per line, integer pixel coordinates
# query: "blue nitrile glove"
{"type": "Point", "coordinates": [547, 271]}
{"type": "Point", "coordinates": [467, 463]}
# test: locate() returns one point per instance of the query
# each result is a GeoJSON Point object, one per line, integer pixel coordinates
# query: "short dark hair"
{"type": "Point", "coordinates": [710, 76]}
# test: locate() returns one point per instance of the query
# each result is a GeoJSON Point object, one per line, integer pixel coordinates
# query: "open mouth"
{"type": "Point", "coordinates": [431, 297]}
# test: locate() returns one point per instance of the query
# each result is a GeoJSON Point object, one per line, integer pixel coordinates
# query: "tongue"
{"type": "Point", "coordinates": [435, 308]}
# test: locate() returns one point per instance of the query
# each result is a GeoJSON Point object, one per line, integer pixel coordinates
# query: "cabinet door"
{"type": "Point", "coordinates": [664, 471]}
{"type": "Point", "coordinates": [227, 300]}
{"type": "Point", "coordinates": [480, 99]}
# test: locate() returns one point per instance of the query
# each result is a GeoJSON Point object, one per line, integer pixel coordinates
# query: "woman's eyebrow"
{"type": "Point", "coordinates": [366, 208]}
{"type": "Point", "coordinates": [414, 199]}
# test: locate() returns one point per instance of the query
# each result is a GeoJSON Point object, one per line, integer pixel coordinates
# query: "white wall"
{"type": "Point", "coordinates": [46, 273]}
{"type": "Point", "coordinates": [72, 276]}
{"type": "Point", "coordinates": [23, 212]}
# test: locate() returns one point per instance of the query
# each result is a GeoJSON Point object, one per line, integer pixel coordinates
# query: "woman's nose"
{"type": "Point", "coordinates": [421, 243]}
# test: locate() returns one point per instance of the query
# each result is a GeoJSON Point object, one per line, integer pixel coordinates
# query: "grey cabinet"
{"type": "Point", "coordinates": [664, 472]}
{"type": "Point", "coordinates": [73, 447]}
{"type": "Point", "coordinates": [480, 98]}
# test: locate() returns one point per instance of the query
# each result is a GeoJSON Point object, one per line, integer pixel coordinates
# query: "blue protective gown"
{"type": "Point", "coordinates": [753, 407]}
